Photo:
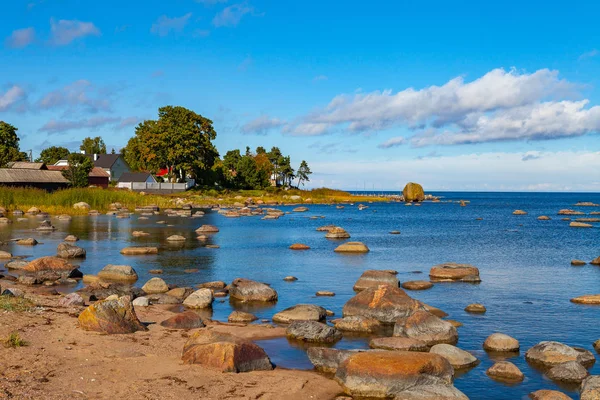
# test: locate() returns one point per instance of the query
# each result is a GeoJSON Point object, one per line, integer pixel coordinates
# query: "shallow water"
{"type": "Point", "coordinates": [527, 279]}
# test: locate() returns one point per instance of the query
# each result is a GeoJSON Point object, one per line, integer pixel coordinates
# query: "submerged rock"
{"type": "Point", "coordinates": [427, 327]}
{"type": "Point", "coordinates": [505, 371]}
{"type": "Point", "coordinates": [27, 242]}
{"type": "Point", "coordinates": [373, 278]}
{"type": "Point", "coordinates": [139, 250]}
{"type": "Point", "coordinates": [549, 354]}
{"type": "Point", "coordinates": [312, 331]}
{"type": "Point", "coordinates": [300, 312]}
{"type": "Point", "coordinates": [453, 272]}
{"type": "Point", "coordinates": [111, 316]}
{"type": "Point", "coordinates": [248, 290]}
{"type": "Point", "coordinates": [384, 303]}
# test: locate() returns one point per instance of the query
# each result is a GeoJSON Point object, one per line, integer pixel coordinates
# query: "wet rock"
{"type": "Point", "coordinates": [595, 261]}
{"type": "Point", "coordinates": [71, 300]}
{"type": "Point", "coordinates": [358, 323]}
{"type": "Point", "coordinates": [427, 327]}
{"type": "Point", "coordinates": [5, 221]}
{"type": "Point", "coordinates": [180, 293]}
{"type": "Point", "coordinates": [373, 278]}
{"type": "Point", "coordinates": [453, 272]}
{"type": "Point", "coordinates": [34, 211]}
{"type": "Point", "coordinates": [248, 290]}
{"type": "Point", "coordinates": [458, 358]}
{"type": "Point", "coordinates": [207, 229]}
{"type": "Point", "coordinates": [324, 293]}
{"type": "Point", "coordinates": [417, 285]}
{"type": "Point", "coordinates": [290, 279]}
{"type": "Point", "coordinates": [215, 285]}
{"type": "Point", "coordinates": [352, 247]}
{"type": "Point", "coordinates": [176, 238]}
{"type": "Point", "coordinates": [156, 271]}
{"type": "Point", "coordinates": [27, 242]}
{"type": "Point", "coordinates": [241, 317]}
{"type": "Point", "coordinates": [139, 250]}
{"type": "Point", "coordinates": [141, 302]}
{"type": "Point", "coordinates": [577, 263]}
{"type": "Point", "coordinates": [590, 388]}
{"type": "Point", "coordinates": [549, 354]}
{"type": "Point", "coordinates": [201, 298]}
{"type": "Point", "coordinates": [48, 264]}
{"type": "Point", "coordinates": [45, 226]}
{"type": "Point", "coordinates": [569, 372]}
{"type": "Point", "coordinates": [299, 246]}
{"type": "Point", "coordinates": [139, 234]}
{"type": "Point", "coordinates": [394, 232]}
{"type": "Point", "coordinates": [300, 209]}
{"type": "Point", "coordinates": [71, 238]}
{"type": "Point", "coordinates": [123, 273]}
{"type": "Point", "coordinates": [326, 359]}
{"type": "Point", "coordinates": [397, 374]}
{"type": "Point", "coordinates": [225, 352]}
{"type": "Point", "coordinates": [337, 233]}
{"type": "Point", "coordinates": [548, 395]}
{"type": "Point", "coordinates": [184, 320]}
{"type": "Point", "coordinates": [101, 290]}
{"type": "Point", "coordinates": [155, 285]}
{"type": "Point", "coordinates": [326, 228]}
{"type": "Point", "coordinates": [587, 299]}
{"type": "Point", "coordinates": [5, 255]}
{"type": "Point", "coordinates": [16, 264]}
{"type": "Point", "coordinates": [312, 331]}
{"type": "Point", "coordinates": [384, 303]}
{"type": "Point", "coordinates": [111, 316]}
{"type": "Point", "coordinates": [67, 250]}
{"type": "Point", "coordinates": [576, 224]}
{"type": "Point", "coordinates": [519, 212]}
{"type": "Point", "coordinates": [505, 371]}
{"type": "Point", "coordinates": [500, 342]}
{"type": "Point", "coordinates": [475, 308]}
{"type": "Point", "coordinates": [398, 343]}
{"type": "Point", "coordinates": [413, 192]}
{"type": "Point", "coordinates": [543, 218]}
{"type": "Point", "coordinates": [300, 312]}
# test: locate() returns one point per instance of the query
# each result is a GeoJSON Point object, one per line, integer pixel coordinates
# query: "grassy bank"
{"type": "Point", "coordinates": [61, 201]}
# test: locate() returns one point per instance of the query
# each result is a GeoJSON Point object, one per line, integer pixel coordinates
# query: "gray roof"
{"type": "Point", "coordinates": [104, 160]}
{"type": "Point", "coordinates": [27, 165]}
{"type": "Point", "coordinates": [10, 175]}
{"type": "Point", "coordinates": [134, 176]}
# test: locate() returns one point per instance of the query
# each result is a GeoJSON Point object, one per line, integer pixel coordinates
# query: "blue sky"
{"type": "Point", "coordinates": [456, 95]}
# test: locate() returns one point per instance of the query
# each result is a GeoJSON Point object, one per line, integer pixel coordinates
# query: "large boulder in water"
{"type": "Point", "coordinates": [111, 316]}
{"type": "Point", "coordinates": [326, 359]}
{"type": "Point", "coordinates": [427, 327]}
{"type": "Point", "coordinates": [155, 285]}
{"type": "Point", "coordinates": [201, 298]}
{"type": "Point", "coordinates": [569, 372]}
{"type": "Point", "coordinates": [373, 278]}
{"type": "Point", "coordinates": [67, 250]}
{"type": "Point", "coordinates": [301, 312]}
{"type": "Point", "coordinates": [48, 264]}
{"type": "Point", "coordinates": [139, 250]}
{"type": "Point", "coordinates": [453, 272]}
{"type": "Point", "coordinates": [500, 342]}
{"type": "Point", "coordinates": [123, 273]}
{"type": "Point", "coordinates": [590, 388]}
{"type": "Point", "coordinates": [458, 358]}
{"type": "Point", "coordinates": [225, 352]}
{"type": "Point", "coordinates": [312, 331]}
{"type": "Point", "coordinates": [384, 303]}
{"type": "Point", "coordinates": [505, 371]}
{"type": "Point", "coordinates": [352, 247]}
{"type": "Point", "coordinates": [248, 290]}
{"type": "Point", "coordinates": [337, 233]}
{"type": "Point", "coordinates": [551, 395]}
{"type": "Point", "coordinates": [358, 323]}
{"type": "Point", "coordinates": [549, 354]}
{"type": "Point", "coordinates": [397, 374]}
{"type": "Point", "coordinates": [413, 192]}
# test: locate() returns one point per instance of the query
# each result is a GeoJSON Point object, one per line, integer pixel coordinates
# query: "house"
{"type": "Point", "coordinates": [113, 164]}
{"type": "Point", "coordinates": [97, 176]}
{"type": "Point", "coordinates": [34, 175]}
{"type": "Point", "coordinates": [131, 180]}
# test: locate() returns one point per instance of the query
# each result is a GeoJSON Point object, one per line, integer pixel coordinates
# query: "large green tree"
{"type": "Point", "coordinates": [179, 140]}
{"type": "Point", "coordinates": [303, 173]}
{"type": "Point", "coordinates": [93, 145]}
{"type": "Point", "coordinates": [9, 145]}
{"type": "Point", "coordinates": [52, 154]}
{"type": "Point", "coordinates": [79, 169]}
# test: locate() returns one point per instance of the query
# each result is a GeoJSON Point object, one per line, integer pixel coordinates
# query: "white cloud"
{"type": "Point", "coordinates": [79, 94]}
{"type": "Point", "coordinates": [54, 127]}
{"type": "Point", "coordinates": [262, 125]}
{"type": "Point", "coordinates": [165, 25]}
{"type": "Point", "coordinates": [20, 38]}
{"type": "Point", "coordinates": [13, 96]}
{"type": "Point", "coordinates": [232, 15]}
{"type": "Point", "coordinates": [64, 31]}
{"type": "Point", "coordinates": [393, 142]}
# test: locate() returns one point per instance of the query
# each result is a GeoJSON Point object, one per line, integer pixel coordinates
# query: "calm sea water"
{"type": "Point", "coordinates": [527, 279]}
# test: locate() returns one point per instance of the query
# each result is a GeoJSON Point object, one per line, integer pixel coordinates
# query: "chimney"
{"type": "Point", "coordinates": [95, 157]}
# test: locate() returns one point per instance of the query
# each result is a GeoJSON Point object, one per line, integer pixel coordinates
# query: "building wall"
{"type": "Point", "coordinates": [98, 181]}
{"type": "Point", "coordinates": [117, 169]}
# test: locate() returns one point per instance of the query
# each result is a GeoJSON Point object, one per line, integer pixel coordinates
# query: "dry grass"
{"type": "Point", "coordinates": [14, 341]}
{"type": "Point", "coordinates": [15, 304]}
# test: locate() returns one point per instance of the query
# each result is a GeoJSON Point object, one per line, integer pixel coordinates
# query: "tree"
{"type": "Point", "coordinates": [52, 154]}
{"type": "Point", "coordinates": [261, 150]}
{"type": "Point", "coordinates": [79, 169]}
{"type": "Point", "coordinates": [93, 145]}
{"type": "Point", "coordinates": [286, 171]}
{"type": "Point", "coordinates": [9, 145]}
{"type": "Point", "coordinates": [303, 173]}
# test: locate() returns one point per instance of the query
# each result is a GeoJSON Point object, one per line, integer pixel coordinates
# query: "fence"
{"type": "Point", "coordinates": [157, 186]}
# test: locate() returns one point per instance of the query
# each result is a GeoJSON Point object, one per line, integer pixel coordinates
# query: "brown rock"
{"type": "Point", "coordinates": [384, 303]}
{"type": "Point", "coordinates": [398, 343]}
{"type": "Point", "coordinates": [577, 263]}
{"type": "Point", "coordinates": [575, 224]}
{"type": "Point", "coordinates": [587, 299]}
{"type": "Point", "coordinates": [358, 323]}
{"type": "Point", "coordinates": [476, 308]}
{"type": "Point", "coordinates": [505, 371]}
{"type": "Point", "coordinates": [111, 316]}
{"type": "Point", "coordinates": [352, 247]}
{"type": "Point", "coordinates": [544, 218]}
{"type": "Point", "coordinates": [155, 285]}
{"type": "Point", "coordinates": [124, 273]}
{"type": "Point", "coordinates": [595, 261]}
{"type": "Point", "coordinates": [241, 316]}
{"type": "Point", "coordinates": [327, 359]}
{"type": "Point", "coordinates": [458, 358]}
{"type": "Point", "coordinates": [207, 229]}
{"type": "Point", "coordinates": [452, 272]}
{"type": "Point", "coordinates": [312, 331]}
{"type": "Point", "coordinates": [215, 285]}
{"type": "Point", "coordinates": [139, 250]}
{"type": "Point", "coordinates": [299, 246]}
{"type": "Point", "coordinates": [48, 264]}
{"type": "Point", "coordinates": [417, 285]}
{"type": "Point", "coordinates": [184, 320]}
{"type": "Point", "coordinates": [519, 212]}
{"type": "Point", "coordinates": [373, 278]}
{"type": "Point", "coordinates": [300, 312]}
{"type": "Point", "coordinates": [548, 395]}
{"type": "Point", "coordinates": [549, 354]}
{"type": "Point", "coordinates": [569, 372]}
{"type": "Point", "coordinates": [413, 192]}
{"type": "Point", "coordinates": [248, 290]}
{"type": "Point", "coordinates": [427, 327]}
{"type": "Point", "coordinates": [337, 233]}
{"type": "Point", "coordinates": [590, 388]}
{"type": "Point", "coordinates": [500, 342]}
{"type": "Point", "coordinates": [27, 242]}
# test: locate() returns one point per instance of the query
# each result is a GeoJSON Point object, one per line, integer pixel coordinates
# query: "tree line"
{"type": "Point", "coordinates": [179, 142]}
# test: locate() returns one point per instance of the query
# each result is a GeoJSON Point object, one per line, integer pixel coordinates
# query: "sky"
{"type": "Point", "coordinates": [462, 95]}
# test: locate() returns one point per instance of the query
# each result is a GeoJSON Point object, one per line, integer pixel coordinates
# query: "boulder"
{"type": "Point", "coordinates": [549, 354]}
{"type": "Point", "coordinates": [453, 272]}
{"type": "Point", "coordinates": [384, 303]}
{"type": "Point", "coordinates": [568, 372]}
{"type": "Point", "coordinates": [299, 246]}
{"type": "Point", "coordinates": [397, 374]}
{"type": "Point", "coordinates": [71, 238]}
{"type": "Point", "coordinates": [458, 358]}
{"type": "Point", "coordinates": [549, 395]}
{"type": "Point", "coordinates": [373, 278]}
{"type": "Point", "coordinates": [300, 312]}
{"type": "Point", "coordinates": [427, 327]}
{"type": "Point", "coordinates": [180, 293]}
{"type": "Point", "coordinates": [358, 323]}
{"type": "Point", "coordinates": [417, 285]}
{"type": "Point", "coordinates": [324, 293]}
{"type": "Point", "coordinates": [225, 352]}
{"type": "Point", "coordinates": [543, 218]}
{"type": "Point", "coordinates": [67, 250]}
{"type": "Point", "coordinates": [578, 263]}
{"type": "Point", "coordinates": [500, 342]}
{"type": "Point", "coordinates": [248, 290]}
{"type": "Point", "coordinates": [111, 316]}
{"type": "Point", "coordinates": [290, 278]}
{"type": "Point", "coordinates": [48, 264]}
{"type": "Point", "coordinates": [337, 233]}
{"type": "Point", "coordinates": [413, 192]}
{"type": "Point", "coordinates": [139, 250]}
{"type": "Point", "coordinates": [155, 285]}
{"type": "Point", "coordinates": [587, 299]}
{"type": "Point", "coordinates": [576, 224]}
{"type": "Point", "coordinates": [34, 211]}
{"type": "Point", "coordinates": [142, 301]}
{"type": "Point", "coordinates": [595, 261]}
{"type": "Point", "coordinates": [326, 228]}
{"type": "Point", "coordinates": [590, 388]}
{"type": "Point", "coordinates": [15, 264]}
{"type": "Point", "coordinates": [312, 331]}
{"type": "Point", "coordinates": [201, 298]}
{"type": "Point", "coordinates": [45, 226]}
{"type": "Point", "coordinates": [242, 317]}
{"type": "Point", "coordinates": [124, 273]}
{"type": "Point", "coordinates": [519, 212]}
{"type": "Point", "coordinates": [184, 320]}
{"type": "Point", "coordinates": [398, 343]}
{"type": "Point", "coordinates": [476, 308]}
{"type": "Point", "coordinates": [176, 238]}
{"type": "Point", "coordinates": [300, 209]}
{"type": "Point", "coordinates": [207, 229]}
{"type": "Point", "coordinates": [12, 292]}
{"type": "Point", "coordinates": [352, 247]}
{"type": "Point", "coordinates": [215, 285]}
{"type": "Point", "coordinates": [5, 255]}
{"type": "Point", "coordinates": [102, 290]}
{"type": "Point", "coordinates": [27, 242]}
{"type": "Point", "coordinates": [505, 371]}
{"type": "Point", "coordinates": [71, 300]}
{"type": "Point", "coordinates": [326, 359]}
{"type": "Point", "coordinates": [81, 206]}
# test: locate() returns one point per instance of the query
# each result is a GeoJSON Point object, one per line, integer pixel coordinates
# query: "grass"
{"type": "Point", "coordinates": [14, 341]}
{"type": "Point", "coordinates": [15, 304]}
